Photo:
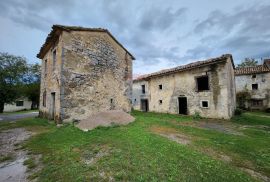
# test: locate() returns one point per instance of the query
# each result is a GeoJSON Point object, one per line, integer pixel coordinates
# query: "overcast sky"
{"type": "Point", "coordinates": [160, 34]}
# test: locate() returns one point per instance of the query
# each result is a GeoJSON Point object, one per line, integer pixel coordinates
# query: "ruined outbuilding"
{"type": "Point", "coordinates": [84, 71]}
{"type": "Point", "coordinates": [204, 87]}
{"type": "Point", "coordinates": [253, 86]}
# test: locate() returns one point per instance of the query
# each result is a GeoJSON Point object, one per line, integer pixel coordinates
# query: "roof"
{"type": "Point", "coordinates": [57, 30]}
{"type": "Point", "coordinates": [252, 70]}
{"type": "Point", "coordinates": [186, 67]}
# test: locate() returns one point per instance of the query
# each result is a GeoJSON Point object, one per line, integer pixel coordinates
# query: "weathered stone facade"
{"type": "Point", "coordinates": [163, 89]}
{"type": "Point", "coordinates": [92, 73]}
{"type": "Point", "coordinates": [256, 82]}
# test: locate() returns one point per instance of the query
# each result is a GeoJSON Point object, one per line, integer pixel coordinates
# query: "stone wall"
{"type": "Point", "coordinates": [51, 82]}
{"type": "Point", "coordinates": [96, 75]}
{"type": "Point", "coordinates": [220, 97]}
{"type": "Point", "coordinates": [244, 83]}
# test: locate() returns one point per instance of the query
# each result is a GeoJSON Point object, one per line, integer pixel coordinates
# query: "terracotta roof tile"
{"type": "Point", "coordinates": [251, 70]}
{"type": "Point", "coordinates": [185, 67]}
{"type": "Point", "coordinates": [57, 29]}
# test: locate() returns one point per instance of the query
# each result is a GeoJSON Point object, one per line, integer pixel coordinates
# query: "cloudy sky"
{"type": "Point", "coordinates": [160, 34]}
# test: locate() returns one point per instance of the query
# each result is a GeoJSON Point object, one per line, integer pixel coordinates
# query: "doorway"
{"type": "Point", "coordinates": [144, 105]}
{"type": "Point", "coordinates": [182, 104]}
{"type": "Point", "coordinates": [53, 105]}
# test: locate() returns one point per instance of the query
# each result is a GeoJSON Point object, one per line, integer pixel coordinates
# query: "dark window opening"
{"type": "Point", "coordinates": [143, 89]}
{"type": "Point", "coordinates": [205, 104]}
{"type": "Point", "coordinates": [160, 101]}
{"type": "Point", "coordinates": [54, 59]}
{"type": "Point", "coordinates": [19, 103]}
{"type": "Point", "coordinates": [44, 99]}
{"type": "Point", "coordinates": [257, 102]}
{"type": "Point", "coordinates": [255, 86]}
{"type": "Point", "coordinates": [202, 83]}
{"type": "Point", "coordinates": [45, 67]}
{"type": "Point", "coordinates": [111, 101]}
{"type": "Point", "coordinates": [253, 76]}
{"type": "Point", "coordinates": [160, 87]}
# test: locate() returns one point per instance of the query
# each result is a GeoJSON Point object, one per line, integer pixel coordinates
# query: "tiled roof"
{"type": "Point", "coordinates": [57, 29]}
{"type": "Point", "coordinates": [186, 67]}
{"type": "Point", "coordinates": [251, 70]}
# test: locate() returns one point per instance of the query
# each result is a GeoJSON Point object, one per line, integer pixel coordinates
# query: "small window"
{"type": "Point", "coordinates": [45, 67]}
{"type": "Point", "coordinates": [202, 83]}
{"type": "Point", "coordinates": [255, 86]}
{"type": "Point", "coordinates": [44, 99]}
{"type": "Point", "coordinates": [143, 89]}
{"type": "Point", "coordinates": [19, 103]}
{"type": "Point", "coordinates": [160, 87]}
{"type": "Point", "coordinates": [54, 59]}
{"type": "Point", "coordinates": [160, 101]}
{"type": "Point", "coordinates": [253, 76]}
{"type": "Point", "coordinates": [204, 104]}
{"type": "Point", "coordinates": [111, 101]}
{"type": "Point", "coordinates": [134, 100]}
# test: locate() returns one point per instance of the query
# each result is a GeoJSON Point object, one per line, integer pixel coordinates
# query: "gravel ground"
{"type": "Point", "coordinates": [13, 170]}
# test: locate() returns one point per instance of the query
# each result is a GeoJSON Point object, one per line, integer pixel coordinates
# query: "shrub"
{"type": "Point", "coordinates": [238, 111]}
{"type": "Point", "coordinates": [197, 115]}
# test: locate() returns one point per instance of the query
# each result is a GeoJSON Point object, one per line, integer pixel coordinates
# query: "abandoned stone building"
{"type": "Point", "coordinates": [206, 87]}
{"type": "Point", "coordinates": [254, 84]}
{"type": "Point", "coordinates": [84, 71]}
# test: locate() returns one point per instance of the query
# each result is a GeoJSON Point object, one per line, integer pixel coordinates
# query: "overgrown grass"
{"type": "Point", "coordinates": [253, 118]}
{"type": "Point", "coordinates": [134, 153]}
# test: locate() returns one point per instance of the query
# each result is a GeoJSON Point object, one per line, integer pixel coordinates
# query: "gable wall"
{"type": "Point", "coordinates": [95, 70]}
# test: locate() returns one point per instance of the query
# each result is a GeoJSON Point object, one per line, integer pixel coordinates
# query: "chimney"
{"type": "Point", "coordinates": [267, 62]}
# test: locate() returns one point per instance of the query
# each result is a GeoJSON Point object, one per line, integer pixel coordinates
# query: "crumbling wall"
{"type": "Point", "coordinates": [244, 83]}
{"type": "Point", "coordinates": [96, 75]}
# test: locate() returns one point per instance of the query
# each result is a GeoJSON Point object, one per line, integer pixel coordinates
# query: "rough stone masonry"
{"type": "Point", "coordinates": [84, 71]}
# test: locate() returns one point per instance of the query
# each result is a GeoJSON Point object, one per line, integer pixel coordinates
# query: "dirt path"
{"type": "Point", "coordinates": [12, 158]}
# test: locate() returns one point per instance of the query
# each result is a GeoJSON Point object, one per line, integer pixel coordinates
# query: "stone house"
{"type": "Point", "coordinates": [84, 71]}
{"type": "Point", "coordinates": [206, 87]}
{"type": "Point", "coordinates": [256, 82]}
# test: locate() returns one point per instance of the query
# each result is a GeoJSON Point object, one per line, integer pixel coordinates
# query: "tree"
{"type": "Point", "coordinates": [248, 62]}
{"type": "Point", "coordinates": [12, 71]}
{"type": "Point", "coordinates": [31, 87]}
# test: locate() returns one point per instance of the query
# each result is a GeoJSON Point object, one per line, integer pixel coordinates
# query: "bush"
{"type": "Point", "coordinates": [238, 111]}
{"type": "Point", "coordinates": [197, 115]}
{"type": "Point", "coordinates": [267, 110]}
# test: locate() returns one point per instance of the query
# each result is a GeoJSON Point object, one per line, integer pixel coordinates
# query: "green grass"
{"type": "Point", "coordinates": [253, 118]}
{"type": "Point", "coordinates": [30, 163]}
{"type": "Point", "coordinates": [134, 153]}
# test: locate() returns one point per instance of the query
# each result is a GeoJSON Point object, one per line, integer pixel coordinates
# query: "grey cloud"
{"type": "Point", "coordinates": [249, 20]}
{"type": "Point", "coordinates": [30, 13]}
{"type": "Point", "coordinates": [243, 33]}
{"type": "Point", "coordinates": [157, 18]}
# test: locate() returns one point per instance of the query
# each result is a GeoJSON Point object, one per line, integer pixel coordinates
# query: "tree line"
{"type": "Point", "coordinates": [18, 79]}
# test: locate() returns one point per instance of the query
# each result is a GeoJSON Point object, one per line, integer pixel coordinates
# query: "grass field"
{"type": "Point", "coordinates": [156, 147]}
